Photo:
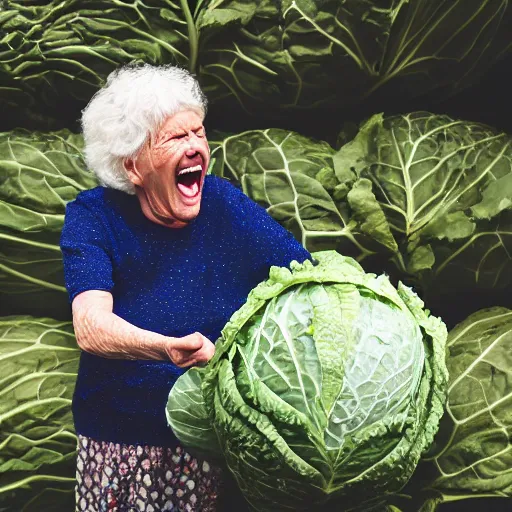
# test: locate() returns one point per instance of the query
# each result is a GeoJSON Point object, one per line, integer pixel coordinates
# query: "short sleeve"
{"type": "Point", "coordinates": [85, 249]}
{"type": "Point", "coordinates": [269, 242]}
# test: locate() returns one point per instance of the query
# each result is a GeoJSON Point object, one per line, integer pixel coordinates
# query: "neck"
{"type": "Point", "coordinates": [153, 216]}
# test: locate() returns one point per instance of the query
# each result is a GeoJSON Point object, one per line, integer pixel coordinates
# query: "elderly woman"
{"type": "Point", "coordinates": [156, 261]}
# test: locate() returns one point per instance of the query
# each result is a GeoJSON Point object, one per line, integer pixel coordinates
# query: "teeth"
{"type": "Point", "coordinates": [190, 169]}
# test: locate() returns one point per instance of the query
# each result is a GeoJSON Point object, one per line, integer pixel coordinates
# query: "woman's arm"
{"type": "Point", "coordinates": [100, 331]}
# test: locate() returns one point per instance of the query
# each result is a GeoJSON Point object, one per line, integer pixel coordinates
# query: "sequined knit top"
{"type": "Point", "coordinates": [170, 281]}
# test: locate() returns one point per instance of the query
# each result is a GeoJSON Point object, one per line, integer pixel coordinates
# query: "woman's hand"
{"type": "Point", "coordinates": [190, 350]}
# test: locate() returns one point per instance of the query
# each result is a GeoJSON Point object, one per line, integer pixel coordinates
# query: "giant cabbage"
{"type": "Point", "coordinates": [472, 452]}
{"type": "Point", "coordinates": [54, 55]}
{"type": "Point", "coordinates": [325, 388]}
{"type": "Point", "coordinates": [38, 368]}
{"type": "Point", "coordinates": [279, 56]}
{"type": "Point", "coordinates": [271, 57]}
{"type": "Point", "coordinates": [39, 174]}
{"type": "Point", "coordinates": [445, 188]}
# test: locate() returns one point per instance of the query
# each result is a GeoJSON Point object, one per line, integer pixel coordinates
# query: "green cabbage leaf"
{"type": "Point", "coordinates": [40, 173]}
{"type": "Point", "coordinates": [445, 187]}
{"type": "Point", "coordinates": [38, 369]}
{"type": "Point", "coordinates": [422, 197]}
{"type": "Point", "coordinates": [55, 55]}
{"type": "Point", "coordinates": [275, 57]}
{"type": "Point", "coordinates": [472, 453]}
{"type": "Point", "coordinates": [271, 57]}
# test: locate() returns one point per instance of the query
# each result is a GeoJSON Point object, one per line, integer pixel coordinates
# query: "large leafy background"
{"type": "Point", "coordinates": [445, 187]}
{"type": "Point", "coordinates": [472, 454]}
{"type": "Point", "coordinates": [424, 197]}
{"type": "Point", "coordinates": [41, 172]}
{"type": "Point", "coordinates": [39, 361]}
{"type": "Point", "coordinates": [297, 54]}
{"type": "Point", "coordinates": [421, 192]}
{"type": "Point", "coordinates": [269, 58]}
{"type": "Point", "coordinates": [54, 55]}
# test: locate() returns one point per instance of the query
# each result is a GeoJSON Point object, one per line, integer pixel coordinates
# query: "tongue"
{"type": "Point", "coordinates": [189, 190]}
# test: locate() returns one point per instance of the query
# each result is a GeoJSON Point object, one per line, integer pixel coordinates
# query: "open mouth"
{"type": "Point", "coordinates": [188, 180]}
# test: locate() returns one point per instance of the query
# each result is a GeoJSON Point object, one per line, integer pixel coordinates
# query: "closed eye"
{"type": "Point", "coordinates": [170, 138]}
{"type": "Point", "coordinates": [200, 132]}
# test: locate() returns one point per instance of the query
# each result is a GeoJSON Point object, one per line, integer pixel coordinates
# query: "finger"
{"type": "Point", "coordinates": [184, 358]}
{"type": "Point", "coordinates": [183, 362]}
{"type": "Point", "coordinates": [206, 353]}
{"type": "Point", "coordinates": [190, 343]}
{"type": "Point", "coordinates": [179, 357]}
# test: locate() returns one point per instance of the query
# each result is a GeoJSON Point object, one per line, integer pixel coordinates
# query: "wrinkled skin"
{"type": "Point", "coordinates": [179, 144]}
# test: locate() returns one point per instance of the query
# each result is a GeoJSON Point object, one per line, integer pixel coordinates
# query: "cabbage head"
{"type": "Point", "coordinates": [326, 387]}
{"type": "Point", "coordinates": [472, 452]}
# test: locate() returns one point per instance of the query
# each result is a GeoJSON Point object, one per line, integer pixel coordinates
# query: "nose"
{"type": "Point", "coordinates": [192, 145]}
{"type": "Point", "coordinates": [191, 151]}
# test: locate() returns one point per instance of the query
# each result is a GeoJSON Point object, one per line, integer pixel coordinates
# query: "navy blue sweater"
{"type": "Point", "coordinates": [170, 281]}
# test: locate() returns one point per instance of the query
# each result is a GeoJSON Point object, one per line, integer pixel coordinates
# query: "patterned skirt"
{"type": "Point", "coordinates": [121, 478]}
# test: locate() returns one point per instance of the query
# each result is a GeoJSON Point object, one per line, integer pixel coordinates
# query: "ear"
{"type": "Point", "coordinates": [132, 172]}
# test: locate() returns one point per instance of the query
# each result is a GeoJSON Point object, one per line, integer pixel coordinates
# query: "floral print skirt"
{"type": "Point", "coordinates": [140, 478]}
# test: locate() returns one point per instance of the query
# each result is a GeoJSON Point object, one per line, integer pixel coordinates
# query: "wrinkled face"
{"type": "Point", "coordinates": [169, 172]}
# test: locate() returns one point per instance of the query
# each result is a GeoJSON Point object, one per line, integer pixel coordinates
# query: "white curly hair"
{"type": "Point", "coordinates": [128, 110]}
